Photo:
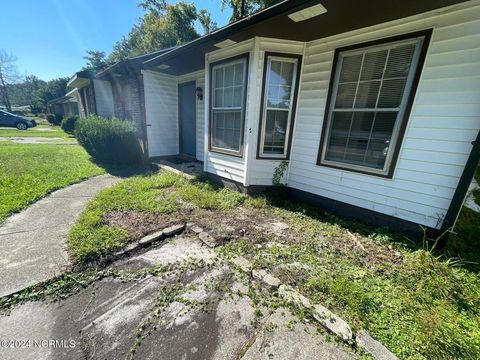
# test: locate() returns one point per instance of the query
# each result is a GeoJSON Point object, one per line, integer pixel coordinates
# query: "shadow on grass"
{"type": "Point", "coordinates": [124, 170]}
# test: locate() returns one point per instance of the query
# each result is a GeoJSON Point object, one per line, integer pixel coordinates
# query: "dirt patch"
{"type": "Point", "coordinates": [257, 228]}
{"type": "Point", "coordinates": [244, 223]}
{"type": "Point", "coordinates": [138, 224]}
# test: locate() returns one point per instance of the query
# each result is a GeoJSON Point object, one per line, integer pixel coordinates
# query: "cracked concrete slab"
{"type": "Point", "coordinates": [32, 242]}
{"type": "Point", "coordinates": [103, 320]}
{"type": "Point", "coordinates": [283, 337]}
{"type": "Point", "coordinates": [176, 249]}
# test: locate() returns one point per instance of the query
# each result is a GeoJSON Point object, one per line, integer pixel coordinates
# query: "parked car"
{"type": "Point", "coordinates": [12, 120]}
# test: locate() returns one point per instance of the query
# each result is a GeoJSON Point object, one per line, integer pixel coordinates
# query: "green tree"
{"type": "Point", "coordinates": [21, 93]}
{"type": "Point", "coordinates": [96, 60]}
{"type": "Point", "coordinates": [169, 26]}
{"type": "Point", "coordinates": [51, 90]}
{"type": "Point", "coordinates": [163, 25]}
{"type": "Point", "coordinates": [205, 19]}
{"type": "Point", "coordinates": [8, 76]}
{"type": "Point", "coordinates": [128, 46]}
{"type": "Point", "coordinates": [242, 8]}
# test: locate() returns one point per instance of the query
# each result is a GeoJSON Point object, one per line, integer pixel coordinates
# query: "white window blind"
{"type": "Point", "coordinates": [228, 82]}
{"type": "Point", "coordinates": [370, 90]}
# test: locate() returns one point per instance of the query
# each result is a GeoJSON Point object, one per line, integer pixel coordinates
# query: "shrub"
{"type": "Point", "coordinates": [68, 124]}
{"type": "Point", "coordinates": [58, 119]}
{"type": "Point", "coordinates": [51, 119]}
{"type": "Point", "coordinates": [110, 141]}
{"type": "Point", "coordinates": [54, 119]}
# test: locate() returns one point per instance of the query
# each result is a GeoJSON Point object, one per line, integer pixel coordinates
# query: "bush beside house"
{"type": "Point", "coordinates": [51, 118]}
{"type": "Point", "coordinates": [68, 124]}
{"type": "Point", "coordinates": [54, 119]}
{"type": "Point", "coordinates": [111, 141]}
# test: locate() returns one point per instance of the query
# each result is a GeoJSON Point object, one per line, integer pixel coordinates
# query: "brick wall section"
{"type": "Point", "coordinates": [92, 108]}
{"type": "Point", "coordinates": [81, 103]}
{"type": "Point", "coordinates": [129, 103]}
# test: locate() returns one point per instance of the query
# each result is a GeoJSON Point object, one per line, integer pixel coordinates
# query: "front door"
{"type": "Point", "coordinates": [187, 118]}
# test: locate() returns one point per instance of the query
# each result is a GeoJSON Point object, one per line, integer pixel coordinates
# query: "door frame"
{"type": "Point", "coordinates": [180, 128]}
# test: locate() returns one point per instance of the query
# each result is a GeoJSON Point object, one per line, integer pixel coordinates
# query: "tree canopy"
{"type": "Point", "coordinates": [162, 26]}
{"type": "Point", "coordinates": [165, 25]}
{"type": "Point", "coordinates": [242, 8]}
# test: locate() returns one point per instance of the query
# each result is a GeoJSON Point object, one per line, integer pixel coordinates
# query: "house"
{"type": "Point", "coordinates": [375, 105]}
{"type": "Point", "coordinates": [66, 105]}
{"type": "Point", "coordinates": [126, 83]}
{"type": "Point", "coordinates": [94, 96]}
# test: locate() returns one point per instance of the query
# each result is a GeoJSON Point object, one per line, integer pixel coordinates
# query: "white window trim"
{"type": "Point", "coordinates": [265, 107]}
{"type": "Point", "coordinates": [244, 62]}
{"type": "Point", "coordinates": [401, 110]}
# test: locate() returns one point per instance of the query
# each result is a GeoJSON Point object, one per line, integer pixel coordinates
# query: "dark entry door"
{"type": "Point", "coordinates": [187, 118]}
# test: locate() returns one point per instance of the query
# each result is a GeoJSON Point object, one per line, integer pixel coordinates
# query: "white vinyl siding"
{"type": "Point", "coordinates": [103, 98]}
{"type": "Point", "coordinates": [260, 171]}
{"type": "Point", "coordinates": [227, 166]}
{"type": "Point", "coordinates": [443, 121]}
{"type": "Point", "coordinates": [161, 110]}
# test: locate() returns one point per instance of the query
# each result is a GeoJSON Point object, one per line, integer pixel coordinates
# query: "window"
{"type": "Point", "coordinates": [228, 84]}
{"type": "Point", "coordinates": [278, 105]}
{"type": "Point", "coordinates": [368, 105]}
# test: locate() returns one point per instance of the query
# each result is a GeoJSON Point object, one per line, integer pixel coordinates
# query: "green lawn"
{"type": "Point", "coordinates": [476, 193]}
{"type": "Point", "coordinates": [38, 131]}
{"type": "Point", "coordinates": [420, 304]}
{"type": "Point", "coordinates": [465, 240]}
{"type": "Point", "coordinates": [30, 171]}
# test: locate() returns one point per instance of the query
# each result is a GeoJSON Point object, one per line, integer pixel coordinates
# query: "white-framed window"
{"type": "Point", "coordinates": [279, 90]}
{"type": "Point", "coordinates": [228, 83]}
{"type": "Point", "coordinates": [370, 91]}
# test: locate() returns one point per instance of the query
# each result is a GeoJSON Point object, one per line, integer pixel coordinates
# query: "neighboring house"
{"type": "Point", "coordinates": [66, 105]}
{"type": "Point", "coordinates": [94, 95]}
{"type": "Point", "coordinates": [375, 105]}
{"type": "Point", "coordinates": [126, 82]}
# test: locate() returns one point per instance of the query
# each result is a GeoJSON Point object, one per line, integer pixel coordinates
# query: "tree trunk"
{"type": "Point", "coordinates": [4, 90]}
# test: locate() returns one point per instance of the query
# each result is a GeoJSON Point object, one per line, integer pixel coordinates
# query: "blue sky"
{"type": "Point", "coordinates": [50, 37]}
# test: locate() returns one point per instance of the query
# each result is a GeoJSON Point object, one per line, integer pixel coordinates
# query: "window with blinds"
{"type": "Point", "coordinates": [228, 89]}
{"type": "Point", "coordinates": [279, 90]}
{"type": "Point", "coordinates": [370, 90]}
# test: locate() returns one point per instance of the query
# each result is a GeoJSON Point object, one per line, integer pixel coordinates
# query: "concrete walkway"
{"type": "Point", "coordinates": [102, 320]}
{"type": "Point", "coordinates": [32, 243]}
{"type": "Point", "coordinates": [39, 140]}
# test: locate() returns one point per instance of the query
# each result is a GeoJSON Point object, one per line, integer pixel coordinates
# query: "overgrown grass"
{"type": "Point", "coordinates": [476, 193]}
{"type": "Point", "coordinates": [162, 193]}
{"type": "Point", "coordinates": [420, 304]}
{"type": "Point", "coordinates": [39, 131]}
{"type": "Point", "coordinates": [464, 242]}
{"type": "Point", "coordinates": [29, 172]}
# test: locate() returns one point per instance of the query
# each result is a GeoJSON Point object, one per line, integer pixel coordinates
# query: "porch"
{"type": "Point", "coordinates": [182, 165]}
